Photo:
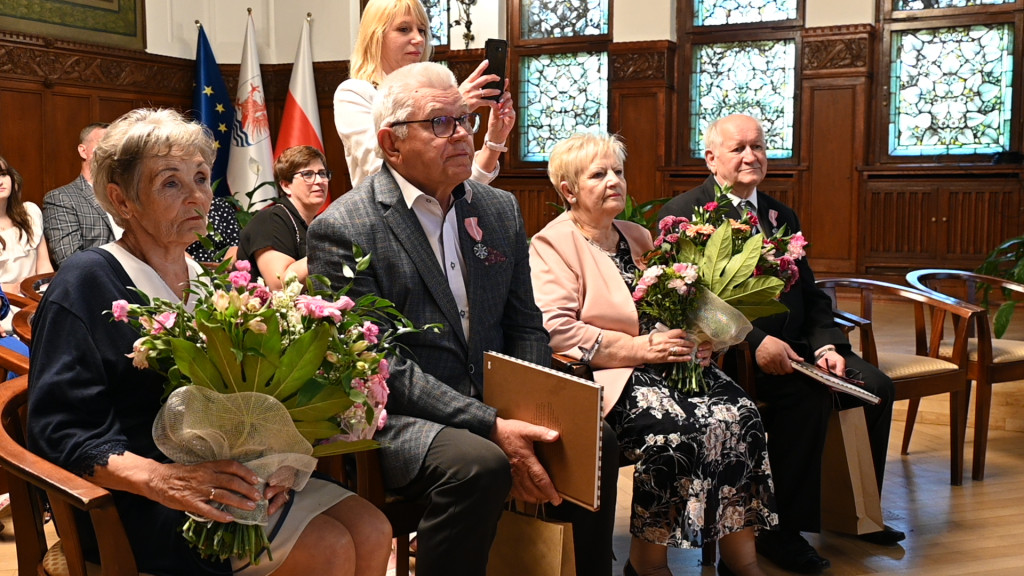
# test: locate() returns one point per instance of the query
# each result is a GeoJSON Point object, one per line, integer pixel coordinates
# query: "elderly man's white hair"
{"type": "Point", "coordinates": [396, 96]}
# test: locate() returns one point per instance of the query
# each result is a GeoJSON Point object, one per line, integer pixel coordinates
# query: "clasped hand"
{"type": "Point", "coordinates": [196, 488]}
{"type": "Point", "coordinates": [673, 346]}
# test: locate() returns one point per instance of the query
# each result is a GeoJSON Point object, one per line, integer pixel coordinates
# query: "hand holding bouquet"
{"type": "Point", "coordinates": [711, 275]}
{"type": "Point", "coordinates": [271, 379]}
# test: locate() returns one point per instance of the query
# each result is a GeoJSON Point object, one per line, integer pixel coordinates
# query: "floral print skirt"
{"type": "Point", "coordinates": [701, 462]}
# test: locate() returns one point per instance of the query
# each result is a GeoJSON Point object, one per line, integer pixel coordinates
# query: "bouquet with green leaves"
{"type": "Point", "coordinates": [272, 379]}
{"type": "Point", "coordinates": [711, 275]}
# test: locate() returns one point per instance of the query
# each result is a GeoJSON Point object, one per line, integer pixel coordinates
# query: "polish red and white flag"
{"type": "Point", "coordinates": [300, 123]}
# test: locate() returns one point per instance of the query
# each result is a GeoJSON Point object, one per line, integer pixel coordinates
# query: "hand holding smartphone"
{"type": "Point", "coordinates": [497, 58]}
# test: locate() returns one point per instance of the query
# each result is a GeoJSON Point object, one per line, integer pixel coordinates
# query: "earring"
{"type": "Point", "coordinates": [572, 200]}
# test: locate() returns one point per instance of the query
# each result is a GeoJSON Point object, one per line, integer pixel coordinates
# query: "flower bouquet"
{"type": "Point", "coordinates": [272, 379]}
{"type": "Point", "coordinates": [711, 275]}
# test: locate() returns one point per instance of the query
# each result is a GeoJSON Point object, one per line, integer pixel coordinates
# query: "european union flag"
{"type": "Point", "coordinates": [212, 106]}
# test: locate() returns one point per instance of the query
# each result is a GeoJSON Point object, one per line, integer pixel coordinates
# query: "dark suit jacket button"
{"type": "Point", "coordinates": [472, 369]}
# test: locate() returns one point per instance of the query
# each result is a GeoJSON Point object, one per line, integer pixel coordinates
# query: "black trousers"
{"type": "Point", "coordinates": [464, 482]}
{"type": "Point", "coordinates": [796, 420]}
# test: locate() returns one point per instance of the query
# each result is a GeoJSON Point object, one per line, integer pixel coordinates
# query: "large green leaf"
{"type": "Point", "coordinates": [300, 362]}
{"type": "Point", "coordinates": [194, 363]}
{"type": "Point", "coordinates": [754, 290]}
{"type": "Point", "coordinates": [344, 447]}
{"type": "Point", "coordinates": [741, 266]}
{"type": "Point", "coordinates": [222, 353]}
{"type": "Point", "coordinates": [755, 311]}
{"type": "Point", "coordinates": [262, 355]}
{"type": "Point", "coordinates": [717, 254]}
{"type": "Point", "coordinates": [313, 431]}
{"type": "Point", "coordinates": [1001, 321]}
{"type": "Point", "coordinates": [317, 401]}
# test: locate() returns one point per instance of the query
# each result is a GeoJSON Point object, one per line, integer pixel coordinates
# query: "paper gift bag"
{"type": "Point", "coordinates": [530, 546]}
{"type": "Point", "coordinates": [849, 491]}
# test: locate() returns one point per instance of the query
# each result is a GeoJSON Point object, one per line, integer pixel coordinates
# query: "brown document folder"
{"type": "Point", "coordinates": [524, 391]}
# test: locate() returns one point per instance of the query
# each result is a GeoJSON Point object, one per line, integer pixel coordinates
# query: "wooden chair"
{"type": "Point", "coordinates": [989, 360]}
{"type": "Point", "coordinates": [29, 476]}
{"type": "Point", "coordinates": [34, 286]}
{"type": "Point", "coordinates": [922, 373]}
{"type": "Point", "coordinates": [361, 473]}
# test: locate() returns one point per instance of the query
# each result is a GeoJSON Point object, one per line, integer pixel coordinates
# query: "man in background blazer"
{"type": "Point", "coordinates": [799, 408]}
{"type": "Point", "coordinates": [446, 250]}
{"type": "Point", "coordinates": [72, 218]}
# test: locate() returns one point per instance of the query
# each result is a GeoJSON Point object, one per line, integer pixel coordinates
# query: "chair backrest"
{"type": "Point", "coordinates": [964, 286]}
{"type": "Point", "coordinates": [30, 475]}
{"type": "Point", "coordinates": [927, 337]}
{"type": "Point", "coordinates": [34, 286]}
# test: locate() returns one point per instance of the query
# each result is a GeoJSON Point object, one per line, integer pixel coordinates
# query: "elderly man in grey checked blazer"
{"type": "Point", "coordinates": [447, 250]}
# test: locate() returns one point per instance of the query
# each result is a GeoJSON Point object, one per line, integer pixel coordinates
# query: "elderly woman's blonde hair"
{"type": "Point", "coordinates": [137, 136]}
{"type": "Point", "coordinates": [365, 62]}
{"type": "Point", "coordinates": [571, 157]}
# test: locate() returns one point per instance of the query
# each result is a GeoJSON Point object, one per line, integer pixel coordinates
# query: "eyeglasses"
{"type": "Point", "coordinates": [309, 176]}
{"type": "Point", "coordinates": [445, 126]}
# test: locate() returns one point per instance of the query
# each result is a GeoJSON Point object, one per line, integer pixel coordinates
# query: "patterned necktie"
{"type": "Point", "coordinates": [748, 206]}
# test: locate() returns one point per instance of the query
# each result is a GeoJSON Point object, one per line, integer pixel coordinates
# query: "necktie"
{"type": "Point", "coordinates": [748, 206]}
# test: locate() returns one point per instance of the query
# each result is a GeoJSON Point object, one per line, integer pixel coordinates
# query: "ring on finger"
{"type": "Point", "coordinates": [212, 492]}
{"type": "Point", "coordinates": [672, 351]}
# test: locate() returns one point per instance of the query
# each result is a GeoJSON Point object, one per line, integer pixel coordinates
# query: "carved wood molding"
{"type": "Point", "coordinates": [837, 50]}
{"type": "Point", "coordinates": [53, 62]}
{"type": "Point", "coordinates": [642, 62]}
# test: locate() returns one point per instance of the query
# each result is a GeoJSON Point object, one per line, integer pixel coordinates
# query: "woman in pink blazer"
{"type": "Point", "coordinates": [701, 462]}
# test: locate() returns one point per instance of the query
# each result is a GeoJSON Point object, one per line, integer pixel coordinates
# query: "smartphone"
{"type": "Point", "coordinates": [497, 57]}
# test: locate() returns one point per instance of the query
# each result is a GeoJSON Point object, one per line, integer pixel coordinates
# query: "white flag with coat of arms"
{"type": "Point", "coordinates": [251, 162]}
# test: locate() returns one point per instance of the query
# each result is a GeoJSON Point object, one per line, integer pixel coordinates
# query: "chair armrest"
{"type": "Point", "coordinates": [20, 300]}
{"type": "Point", "coordinates": [569, 365]}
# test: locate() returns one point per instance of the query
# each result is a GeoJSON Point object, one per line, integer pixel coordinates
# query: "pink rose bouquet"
{"type": "Point", "coordinates": [711, 275]}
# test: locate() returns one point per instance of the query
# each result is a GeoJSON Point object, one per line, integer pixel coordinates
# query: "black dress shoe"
{"type": "Point", "coordinates": [791, 552]}
{"type": "Point", "coordinates": [887, 536]}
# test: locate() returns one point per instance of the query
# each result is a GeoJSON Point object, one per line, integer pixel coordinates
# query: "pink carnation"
{"type": "Point", "coordinates": [639, 293]}
{"type": "Point", "coordinates": [317, 307]}
{"type": "Point", "coordinates": [673, 238]}
{"type": "Point", "coordinates": [120, 310]}
{"type": "Point", "coordinates": [370, 331]}
{"type": "Point", "coordinates": [669, 222]}
{"type": "Point", "coordinates": [243, 265]}
{"type": "Point", "coordinates": [239, 279]}
{"type": "Point", "coordinates": [711, 206]}
{"type": "Point", "coordinates": [797, 242]}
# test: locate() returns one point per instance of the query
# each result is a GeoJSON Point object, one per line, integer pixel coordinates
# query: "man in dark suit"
{"type": "Point", "coordinates": [799, 408]}
{"type": "Point", "coordinates": [448, 250]}
{"type": "Point", "coordinates": [72, 218]}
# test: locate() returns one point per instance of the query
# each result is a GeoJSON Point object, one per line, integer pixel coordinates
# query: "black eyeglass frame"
{"type": "Point", "coordinates": [437, 121]}
{"type": "Point", "coordinates": [324, 175]}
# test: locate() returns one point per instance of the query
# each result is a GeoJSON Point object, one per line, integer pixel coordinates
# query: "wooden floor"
{"type": "Point", "coordinates": [977, 528]}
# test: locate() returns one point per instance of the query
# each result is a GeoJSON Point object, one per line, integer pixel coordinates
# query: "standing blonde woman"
{"type": "Point", "coordinates": [392, 34]}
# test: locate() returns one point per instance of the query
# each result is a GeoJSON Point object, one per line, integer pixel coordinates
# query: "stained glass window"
{"type": "Point", "coordinates": [437, 10]}
{"type": "Point", "coordinates": [932, 4]}
{"type": "Point", "coordinates": [951, 90]}
{"type": "Point", "coordinates": [563, 18]}
{"type": "Point", "coordinates": [753, 78]}
{"type": "Point", "coordinates": [561, 94]}
{"type": "Point", "coordinates": [719, 12]}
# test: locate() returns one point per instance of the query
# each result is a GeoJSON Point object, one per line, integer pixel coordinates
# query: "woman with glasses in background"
{"type": "Point", "coordinates": [392, 34]}
{"type": "Point", "coordinates": [274, 241]}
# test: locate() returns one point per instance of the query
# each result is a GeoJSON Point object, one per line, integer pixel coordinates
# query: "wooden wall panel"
{"type": "Point", "coordinates": [977, 218]}
{"type": "Point", "coordinates": [23, 135]}
{"type": "Point", "coordinates": [830, 216]}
